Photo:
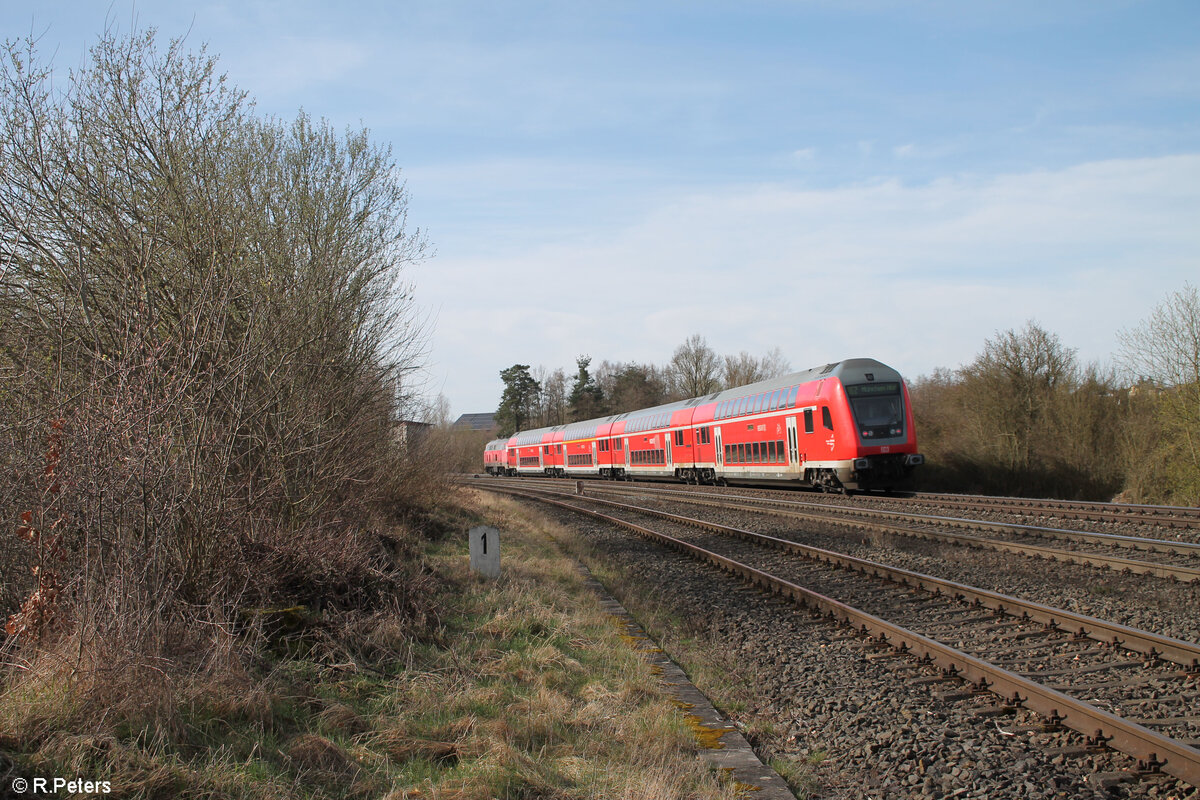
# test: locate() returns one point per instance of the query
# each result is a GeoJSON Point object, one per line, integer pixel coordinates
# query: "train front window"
{"type": "Point", "coordinates": [878, 409]}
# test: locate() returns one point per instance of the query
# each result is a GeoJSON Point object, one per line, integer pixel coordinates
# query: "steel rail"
{"type": "Point", "coordinates": [1153, 750]}
{"type": "Point", "coordinates": [1148, 544]}
{"type": "Point", "coordinates": [1150, 644]}
{"type": "Point", "coordinates": [1168, 571]}
{"type": "Point", "coordinates": [1171, 516]}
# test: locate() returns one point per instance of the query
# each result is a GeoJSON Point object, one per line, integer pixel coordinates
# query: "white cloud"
{"type": "Point", "coordinates": [917, 276]}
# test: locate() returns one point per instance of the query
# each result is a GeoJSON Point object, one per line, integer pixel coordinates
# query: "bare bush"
{"type": "Point", "coordinates": [202, 325]}
{"type": "Point", "coordinates": [1161, 356]}
{"type": "Point", "coordinates": [1022, 418]}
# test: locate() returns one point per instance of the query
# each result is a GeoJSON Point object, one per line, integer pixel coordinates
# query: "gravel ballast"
{"type": "Point", "coordinates": [876, 724]}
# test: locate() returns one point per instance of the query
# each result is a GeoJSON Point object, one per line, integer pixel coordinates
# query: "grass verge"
{"type": "Point", "coordinates": [729, 682]}
{"type": "Point", "coordinates": [522, 689]}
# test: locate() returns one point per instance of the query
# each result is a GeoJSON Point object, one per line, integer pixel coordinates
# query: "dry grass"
{"type": "Point", "coordinates": [524, 688]}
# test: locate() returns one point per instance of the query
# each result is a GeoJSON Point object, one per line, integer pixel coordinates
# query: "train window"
{"type": "Point", "coordinates": [774, 404]}
{"type": "Point", "coordinates": [791, 403]}
{"type": "Point", "coordinates": [742, 451]}
{"type": "Point", "coordinates": [771, 450]}
{"type": "Point", "coordinates": [779, 451]}
{"type": "Point", "coordinates": [826, 419]}
{"type": "Point", "coordinates": [754, 455]}
{"type": "Point", "coordinates": [808, 420]}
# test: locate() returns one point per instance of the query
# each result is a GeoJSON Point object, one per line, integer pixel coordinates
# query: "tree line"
{"type": "Point", "coordinates": [540, 398]}
{"type": "Point", "coordinates": [1024, 417]}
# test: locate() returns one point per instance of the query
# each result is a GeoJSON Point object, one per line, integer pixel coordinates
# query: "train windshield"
{"type": "Point", "coordinates": [878, 409]}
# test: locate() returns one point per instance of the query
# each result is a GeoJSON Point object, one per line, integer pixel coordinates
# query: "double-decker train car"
{"type": "Point", "coordinates": [844, 426]}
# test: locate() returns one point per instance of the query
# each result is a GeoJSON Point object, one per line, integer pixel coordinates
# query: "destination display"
{"type": "Point", "coordinates": [865, 389]}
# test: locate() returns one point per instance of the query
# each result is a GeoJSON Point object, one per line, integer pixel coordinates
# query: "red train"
{"type": "Point", "coordinates": [843, 426]}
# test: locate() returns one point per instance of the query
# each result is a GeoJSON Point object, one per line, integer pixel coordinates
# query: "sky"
{"type": "Point", "coordinates": [839, 179]}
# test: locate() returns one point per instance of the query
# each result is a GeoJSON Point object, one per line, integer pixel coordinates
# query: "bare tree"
{"type": "Point", "coordinates": [554, 398]}
{"type": "Point", "coordinates": [1162, 355]}
{"type": "Point", "coordinates": [1013, 382]}
{"type": "Point", "coordinates": [694, 369]}
{"type": "Point", "coordinates": [744, 368]}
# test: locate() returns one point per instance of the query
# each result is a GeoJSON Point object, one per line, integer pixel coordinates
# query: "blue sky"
{"type": "Point", "coordinates": [838, 179]}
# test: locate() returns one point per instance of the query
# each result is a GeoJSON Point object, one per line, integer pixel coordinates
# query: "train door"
{"type": "Point", "coordinates": [793, 442]}
{"type": "Point", "coordinates": [595, 456]}
{"type": "Point", "coordinates": [668, 436]}
{"type": "Point", "coordinates": [720, 459]}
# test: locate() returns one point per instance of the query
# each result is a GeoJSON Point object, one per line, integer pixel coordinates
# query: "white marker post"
{"type": "Point", "coordinates": [484, 547]}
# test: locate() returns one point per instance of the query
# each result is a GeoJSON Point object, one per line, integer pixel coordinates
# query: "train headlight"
{"type": "Point", "coordinates": [914, 459]}
{"type": "Point", "coordinates": [862, 463]}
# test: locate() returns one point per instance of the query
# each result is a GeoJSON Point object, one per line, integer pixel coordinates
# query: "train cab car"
{"type": "Point", "coordinates": [495, 456]}
{"type": "Point", "coordinates": [844, 426]}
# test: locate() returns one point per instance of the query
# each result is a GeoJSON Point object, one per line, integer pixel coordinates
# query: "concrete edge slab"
{"type": "Point", "coordinates": [722, 745]}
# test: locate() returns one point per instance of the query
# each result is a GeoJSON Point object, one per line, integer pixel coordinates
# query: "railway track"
{"type": "Point", "coordinates": [1159, 516]}
{"type": "Point", "coordinates": [1158, 557]}
{"type": "Point", "coordinates": [1132, 690]}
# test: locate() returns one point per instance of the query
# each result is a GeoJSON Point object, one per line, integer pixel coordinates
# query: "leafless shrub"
{"type": "Point", "coordinates": [202, 325]}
